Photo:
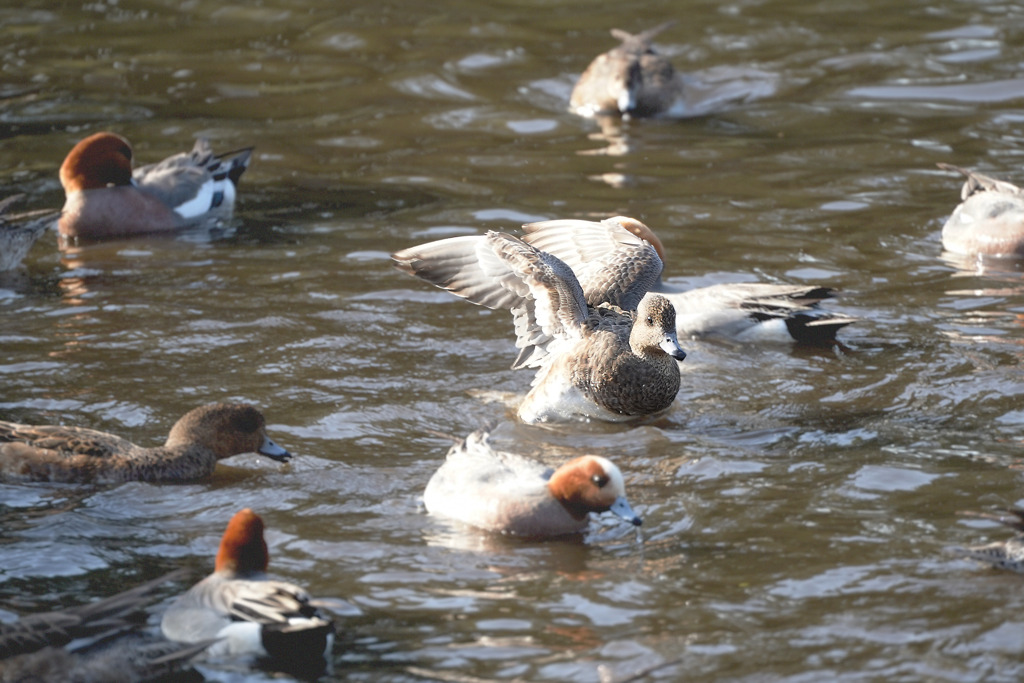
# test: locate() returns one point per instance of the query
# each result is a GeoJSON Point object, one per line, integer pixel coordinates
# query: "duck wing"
{"type": "Point", "coordinates": [612, 264]}
{"type": "Point", "coordinates": [64, 442]}
{"type": "Point", "coordinates": [498, 270]}
{"type": "Point", "coordinates": [266, 602]}
{"type": "Point", "coordinates": [639, 42]}
{"type": "Point", "coordinates": [18, 232]}
{"type": "Point", "coordinates": [196, 176]}
{"type": "Point", "coordinates": [976, 182]}
{"type": "Point", "coordinates": [112, 614]}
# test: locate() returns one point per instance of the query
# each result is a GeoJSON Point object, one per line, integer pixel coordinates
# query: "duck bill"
{"type": "Point", "coordinates": [670, 345]}
{"type": "Point", "coordinates": [621, 508]}
{"type": "Point", "coordinates": [273, 451]}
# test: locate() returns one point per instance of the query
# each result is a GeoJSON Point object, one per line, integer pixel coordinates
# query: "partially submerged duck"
{"type": "Point", "coordinates": [197, 441]}
{"type": "Point", "coordinates": [989, 221]}
{"type": "Point", "coordinates": [105, 197]}
{"type": "Point", "coordinates": [507, 493]}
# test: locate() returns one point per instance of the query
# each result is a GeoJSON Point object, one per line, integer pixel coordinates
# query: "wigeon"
{"type": "Point", "coordinates": [507, 493]}
{"type": "Point", "coordinates": [989, 220]}
{"type": "Point", "coordinates": [247, 613]}
{"type": "Point", "coordinates": [1008, 554]}
{"type": "Point", "coordinates": [18, 232]}
{"type": "Point", "coordinates": [613, 362]}
{"type": "Point", "coordinates": [108, 645]}
{"type": "Point", "coordinates": [629, 80]}
{"type": "Point", "coordinates": [105, 198]}
{"type": "Point", "coordinates": [743, 312]}
{"type": "Point", "coordinates": [634, 81]}
{"type": "Point", "coordinates": [75, 454]}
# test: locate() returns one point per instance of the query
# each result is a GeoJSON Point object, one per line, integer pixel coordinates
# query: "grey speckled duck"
{"type": "Point", "coordinates": [634, 81]}
{"type": "Point", "coordinates": [989, 220]}
{"type": "Point", "coordinates": [19, 232]}
{"type": "Point", "coordinates": [629, 80]}
{"type": "Point", "coordinates": [75, 454]}
{"type": "Point", "coordinates": [604, 362]}
{"type": "Point", "coordinates": [1008, 554]}
{"type": "Point", "coordinates": [740, 312]}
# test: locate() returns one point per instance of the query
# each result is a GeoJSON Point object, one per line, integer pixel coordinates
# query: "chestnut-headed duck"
{"type": "Point", "coordinates": [18, 232]}
{"type": "Point", "coordinates": [1008, 554]}
{"type": "Point", "coordinates": [248, 613]}
{"type": "Point", "coordinates": [105, 198]}
{"type": "Point", "coordinates": [75, 454]}
{"type": "Point", "coordinates": [614, 361]}
{"type": "Point", "coordinates": [743, 312]}
{"type": "Point", "coordinates": [989, 221]}
{"type": "Point", "coordinates": [108, 644]}
{"type": "Point", "coordinates": [507, 493]}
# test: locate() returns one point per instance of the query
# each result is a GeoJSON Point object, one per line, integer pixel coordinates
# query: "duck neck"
{"type": "Point", "coordinates": [559, 488]}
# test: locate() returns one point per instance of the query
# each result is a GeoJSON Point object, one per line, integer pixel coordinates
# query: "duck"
{"type": "Point", "coordinates": [630, 80]}
{"type": "Point", "coordinates": [615, 361]}
{"type": "Point", "coordinates": [19, 232]}
{"type": "Point", "coordinates": [197, 441]}
{"type": "Point", "coordinates": [1008, 554]}
{"type": "Point", "coordinates": [105, 198]}
{"type": "Point", "coordinates": [96, 641]}
{"type": "Point", "coordinates": [509, 494]}
{"type": "Point", "coordinates": [989, 221]}
{"type": "Point", "coordinates": [736, 312]}
{"type": "Point", "coordinates": [246, 612]}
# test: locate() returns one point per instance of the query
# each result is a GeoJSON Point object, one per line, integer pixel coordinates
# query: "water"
{"type": "Point", "coordinates": [797, 502]}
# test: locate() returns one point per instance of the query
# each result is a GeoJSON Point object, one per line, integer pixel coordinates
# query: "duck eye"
{"type": "Point", "coordinates": [600, 480]}
{"type": "Point", "coordinates": [650, 321]}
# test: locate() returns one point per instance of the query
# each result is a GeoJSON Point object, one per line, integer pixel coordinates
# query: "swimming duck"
{"type": "Point", "coordinates": [75, 454]}
{"type": "Point", "coordinates": [630, 80]}
{"type": "Point", "coordinates": [1008, 554]}
{"type": "Point", "coordinates": [743, 312]}
{"type": "Point", "coordinates": [507, 493]}
{"type": "Point", "coordinates": [989, 220]}
{"type": "Point", "coordinates": [108, 645]}
{"type": "Point", "coordinates": [634, 81]}
{"type": "Point", "coordinates": [615, 361]}
{"type": "Point", "coordinates": [105, 198]}
{"type": "Point", "coordinates": [248, 613]}
{"type": "Point", "coordinates": [19, 232]}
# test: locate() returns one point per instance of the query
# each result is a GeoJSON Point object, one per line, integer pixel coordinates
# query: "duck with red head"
{"type": "Point", "coordinates": [105, 198]}
{"type": "Point", "coordinates": [507, 493]}
{"type": "Point", "coordinates": [246, 612]}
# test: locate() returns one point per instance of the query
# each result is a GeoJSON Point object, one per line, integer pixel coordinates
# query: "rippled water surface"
{"type": "Point", "coordinates": [796, 502]}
